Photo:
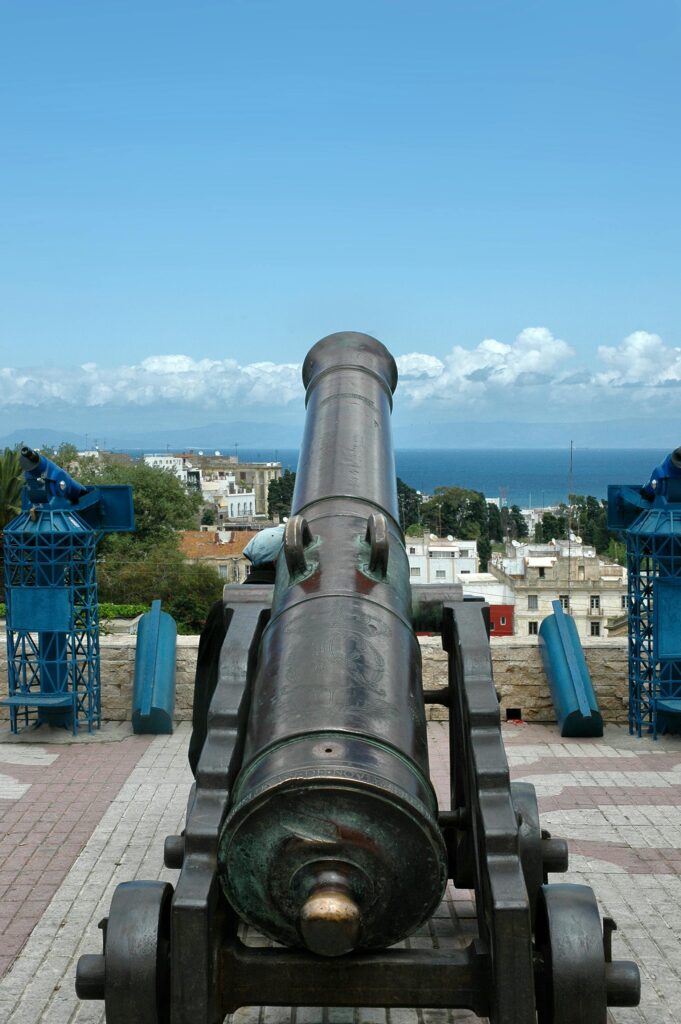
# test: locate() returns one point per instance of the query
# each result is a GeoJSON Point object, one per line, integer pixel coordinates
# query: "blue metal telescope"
{"type": "Point", "coordinates": [51, 594]}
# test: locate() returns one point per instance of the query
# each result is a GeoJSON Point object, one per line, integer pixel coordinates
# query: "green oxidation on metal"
{"type": "Point", "coordinates": [306, 832]}
{"type": "Point", "coordinates": [312, 561]}
{"type": "Point", "coordinates": [328, 736]}
{"type": "Point", "coordinates": [395, 577]}
{"type": "Point", "coordinates": [153, 624]}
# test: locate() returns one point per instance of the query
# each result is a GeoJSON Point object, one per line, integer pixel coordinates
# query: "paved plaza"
{"type": "Point", "coordinates": [78, 818]}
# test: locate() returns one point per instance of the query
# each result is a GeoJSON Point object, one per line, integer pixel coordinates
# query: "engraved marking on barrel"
{"type": "Point", "coordinates": [349, 455]}
{"type": "Point", "coordinates": [351, 395]}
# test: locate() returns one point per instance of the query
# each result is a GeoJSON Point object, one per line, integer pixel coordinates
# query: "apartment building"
{"type": "Point", "coordinates": [594, 592]}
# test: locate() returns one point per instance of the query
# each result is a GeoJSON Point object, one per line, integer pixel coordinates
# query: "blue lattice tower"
{"type": "Point", "coordinates": [652, 527]}
{"type": "Point", "coordinates": [51, 595]}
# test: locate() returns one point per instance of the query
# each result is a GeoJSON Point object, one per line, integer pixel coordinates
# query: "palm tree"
{"type": "Point", "coordinates": [11, 483]}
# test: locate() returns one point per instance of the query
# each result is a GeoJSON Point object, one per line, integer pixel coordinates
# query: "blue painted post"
{"type": "Point", "coordinates": [153, 701]}
{"type": "Point", "coordinates": [568, 676]}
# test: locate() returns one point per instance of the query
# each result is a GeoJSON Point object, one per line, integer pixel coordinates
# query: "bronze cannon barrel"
{"type": "Point", "coordinates": [332, 840]}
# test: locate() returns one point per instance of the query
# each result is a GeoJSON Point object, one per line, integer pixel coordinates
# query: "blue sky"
{"type": "Point", "coordinates": [490, 188]}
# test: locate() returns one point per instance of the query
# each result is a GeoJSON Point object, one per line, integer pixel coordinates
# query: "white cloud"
{"type": "Point", "coordinates": [469, 375]}
{"type": "Point", "coordinates": [642, 360]}
{"type": "Point", "coordinates": [537, 374]}
{"type": "Point", "coordinates": [171, 379]}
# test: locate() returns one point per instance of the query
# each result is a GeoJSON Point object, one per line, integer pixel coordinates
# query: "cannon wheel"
{"type": "Point", "coordinates": [137, 947]}
{"type": "Point", "coordinates": [572, 987]}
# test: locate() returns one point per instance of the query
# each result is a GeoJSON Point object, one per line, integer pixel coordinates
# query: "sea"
{"type": "Point", "coordinates": [529, 477]}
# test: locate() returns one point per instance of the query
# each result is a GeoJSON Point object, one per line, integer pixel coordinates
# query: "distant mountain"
{"type": "Point", "coordinates": [413, 433]}
{"type": "Point", "coordinates": [42, 437]}
{"type": "Point", "coordinates": [213, 435]}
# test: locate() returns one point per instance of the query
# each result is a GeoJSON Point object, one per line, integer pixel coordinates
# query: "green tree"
{"type": "Point", "coordinates": [280, 494]}
{"type": "Point", "coordinates": [129, 575]}
{"type": "Point", "coordinates": [409, 504]}
{"type": "Point", "coordinates": [458, 511]}
{"type": "Point", "coordinates": [11, 484]}
{"type": "Point", "coordinates": [208, 516]}
{"type": "Point", "coordinates": [494, 525]}
{"type": "Point", "coordinates": [590, 521]}
{"type": "Point", "coordinates": [553, 527]}
{"type": "Point", "coordinates": [463, 513]}
{"type": "Point", "coordinates": [161, 501]}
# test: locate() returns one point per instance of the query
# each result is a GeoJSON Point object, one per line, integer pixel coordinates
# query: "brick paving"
{"type": "Point", "coordinates": [617, 800]}
{"type": "Point", "coordinates": [51, 800]}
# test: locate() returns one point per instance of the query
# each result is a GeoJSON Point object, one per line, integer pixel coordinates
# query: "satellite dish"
{"type": "Point", "coordinates": [449, 537]}
{"type": "Point", "coordinates": [200, 453]}
{"type": "Point", "coordinates": [217, 453]}
{"type": "Point", "coordinates": [433, 536]}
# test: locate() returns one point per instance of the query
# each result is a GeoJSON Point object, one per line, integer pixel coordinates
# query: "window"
{"type": "Point", "coordinates": [625, 601]}
{"type": "Point", "coordinates": [440, 574]}
{"type": "Point", "coordinates": [542, 572]}
{"type": "Point", "coordinates": [595, 629]}
{"type": "Point", "coordinates": [595, 602]}
{"type": "Point", "coordinates": [502, 620]}
{"type": "Point", "coordinates": [412, 551]}
{"type": "Point", "coordinates": [491, 625]}
{"type": "Point", "coordinates": [564, 602]}
{"type": "Point", "coordinates": [532, 628]}
{"type": "Point", "coordinates": [532, 602]}
{"type": "Point", "coordinates": [415, 571]}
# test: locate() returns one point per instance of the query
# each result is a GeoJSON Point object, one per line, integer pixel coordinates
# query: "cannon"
{"type": "Point", "coordinates": [313, 819]}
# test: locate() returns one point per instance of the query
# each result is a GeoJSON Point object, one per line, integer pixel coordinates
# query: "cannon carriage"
{"type": "Point", "coordinates": [313, 818]}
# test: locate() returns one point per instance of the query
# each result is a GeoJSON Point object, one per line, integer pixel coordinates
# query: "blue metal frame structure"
{"type": "Point", "coordinates": [653, 536]}
{"type": "Point", "coordinates": [50, 581]}
{"type": "Point", "coordinates": [51, 594]}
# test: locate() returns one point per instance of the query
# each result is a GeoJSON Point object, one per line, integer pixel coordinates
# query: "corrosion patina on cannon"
{"type": "Point", "coordinates": [313, 818]}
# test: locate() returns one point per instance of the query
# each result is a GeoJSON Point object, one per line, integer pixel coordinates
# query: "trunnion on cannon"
{"type": "Point", "coordinates": [313, 817]}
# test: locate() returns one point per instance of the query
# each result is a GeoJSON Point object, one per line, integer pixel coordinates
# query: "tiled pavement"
{"type": "Point", "coordinates": [617, 800]}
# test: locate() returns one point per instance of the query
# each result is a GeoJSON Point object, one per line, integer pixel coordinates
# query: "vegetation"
{"type": "Point", "coordinates": [280, 495]}
{"type": "Point", "coordinates": [11, 482]}
{"type": "Point", "coordinates": [462, 513]}
{"type": "Point", "coordinates": [409, 505]}
{"type": "Point", "coordinates": [107, 610]}
{"type": "Point", "coordinates": [133, 569]}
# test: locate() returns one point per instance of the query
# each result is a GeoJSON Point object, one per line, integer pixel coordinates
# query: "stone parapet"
{"type": "Point", "coordinates": [521, 683]}
{"type": "Point", "coordinates": [518, 675]}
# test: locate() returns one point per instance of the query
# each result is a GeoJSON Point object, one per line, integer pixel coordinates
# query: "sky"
{"type": "Point", "coordinates": [191, 194]}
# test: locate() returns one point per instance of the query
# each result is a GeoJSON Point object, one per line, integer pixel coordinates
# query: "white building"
{"type": "Point", "coordinates": [175, 463]}
{"type": "Point", "coordinates": [592, 591]}
{"type": "Point", "coordinates": [240, 505]}
{"type": "Point", "coordinates": [488, 587]}
{"type": "Point", "coordinates": [441, 560]}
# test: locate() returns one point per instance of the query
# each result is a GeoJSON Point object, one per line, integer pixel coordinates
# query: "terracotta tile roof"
{"type": "Point", "coordinates": [201, 544]}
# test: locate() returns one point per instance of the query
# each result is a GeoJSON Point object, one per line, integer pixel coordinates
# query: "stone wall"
{"type": "Point", "coordinates": [518, 675]}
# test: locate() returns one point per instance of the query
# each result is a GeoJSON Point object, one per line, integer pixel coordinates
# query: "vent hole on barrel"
{"type": "Point", "coordinates": [328, 750]}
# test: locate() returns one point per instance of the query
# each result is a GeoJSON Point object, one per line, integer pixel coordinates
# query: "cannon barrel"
{"type": "Point", "coordinates": [332, 839]}
{"type": "Point", "coordinates": [58, 481]}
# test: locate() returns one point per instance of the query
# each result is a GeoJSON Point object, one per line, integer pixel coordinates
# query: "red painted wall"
{"type": "Point", "coordinates": [497, 612]}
